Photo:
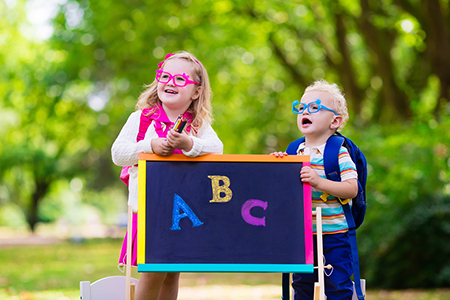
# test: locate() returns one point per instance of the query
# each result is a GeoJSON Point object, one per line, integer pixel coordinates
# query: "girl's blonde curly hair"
{"type": "Point", "coordinates": [338, 97]}
{"type": "Point", "coordinates": [200, 108]}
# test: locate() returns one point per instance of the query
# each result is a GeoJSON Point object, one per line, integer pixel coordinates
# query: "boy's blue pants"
{"type": "Point", "coordinates": [337, 252]}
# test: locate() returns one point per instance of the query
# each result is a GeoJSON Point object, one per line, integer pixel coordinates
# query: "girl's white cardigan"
{"type": "Point", "coordinates": [125, 150]}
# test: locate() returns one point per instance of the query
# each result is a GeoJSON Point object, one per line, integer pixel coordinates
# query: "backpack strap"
{"type": "Point", "coordinates": [354, 248]}
{"type": "Point", "coordinates": [331, 157]}
{"type": "Point", "coordinates": [292, 148]}
{"type": "Point", "coordinates": [332, 171]}
{"type": "Point", "coordinates": [144, 123]}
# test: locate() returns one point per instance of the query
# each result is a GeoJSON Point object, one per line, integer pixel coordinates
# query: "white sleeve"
{"type": "Point", "coordinates": [125, 149]}
{"type": "Point", "coordinates": [206, 142]}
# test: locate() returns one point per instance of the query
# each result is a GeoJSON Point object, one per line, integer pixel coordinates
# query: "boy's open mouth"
{"type": "Point", "coordinates": [306, 121]}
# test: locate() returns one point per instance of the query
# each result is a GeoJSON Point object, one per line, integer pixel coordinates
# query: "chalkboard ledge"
{"type": "Point", "coordinates": [234, 268]}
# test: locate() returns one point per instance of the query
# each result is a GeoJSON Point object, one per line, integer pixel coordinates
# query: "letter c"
{"type": "Point", "coordinates": [247, 216]}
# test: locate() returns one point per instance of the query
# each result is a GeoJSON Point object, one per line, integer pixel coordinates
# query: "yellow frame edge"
{"type": "Point", "coordinates": [142, 172]}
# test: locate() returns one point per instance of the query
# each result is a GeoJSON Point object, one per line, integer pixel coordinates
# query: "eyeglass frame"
{"type": "Point", "coordinates": [172, 77]}
{"type": "Point", "coordinates": [317, 101]}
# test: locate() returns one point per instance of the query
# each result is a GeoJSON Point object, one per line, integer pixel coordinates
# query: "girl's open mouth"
{"type": "Point", "coordinates": [168, 91]}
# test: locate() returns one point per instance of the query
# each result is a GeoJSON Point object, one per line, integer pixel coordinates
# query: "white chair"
{"type": "Point", "coordinates": [354, 297]}
{"type": "Point", "coordinates": [110, 288]}
{"type": "Point", "coordinates": [113, 287]}
{"type": "Point", "coordinates": [363, 289]}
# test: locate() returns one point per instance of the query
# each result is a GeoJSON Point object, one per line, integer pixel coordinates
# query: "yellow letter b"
{"type": "Point", "coordinates": [218, 189]}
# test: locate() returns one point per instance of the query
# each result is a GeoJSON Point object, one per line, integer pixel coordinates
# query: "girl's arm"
{"type": "Point", "coordinates": [161, 146]}
{"type": "Point", "coordinates": [179, 140]}
{"type": "Point", "coordinates": [125, 150]}
{"type": "Point", "coordinates": [206, 142]}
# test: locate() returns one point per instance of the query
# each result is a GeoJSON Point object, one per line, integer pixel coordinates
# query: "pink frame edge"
{"type": "Point", "coordinates": [309, 251]}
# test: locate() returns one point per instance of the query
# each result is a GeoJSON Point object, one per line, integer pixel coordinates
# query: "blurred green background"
{"type": "Point", "coordinates": [71, 72]}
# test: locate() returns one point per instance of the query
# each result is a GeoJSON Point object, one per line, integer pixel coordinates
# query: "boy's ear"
{"type": "Point", "coordinates": [336, 123]}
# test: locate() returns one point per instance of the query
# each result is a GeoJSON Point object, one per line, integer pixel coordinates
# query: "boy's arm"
{"type": "Point", "coordinates": [341, 189]}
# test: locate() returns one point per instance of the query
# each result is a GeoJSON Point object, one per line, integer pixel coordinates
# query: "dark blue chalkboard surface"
{"type": "Point", "coordinates": [224, 213]}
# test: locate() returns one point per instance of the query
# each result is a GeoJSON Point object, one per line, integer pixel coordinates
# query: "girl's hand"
{"type": "Point", "coordinates": [310, 176]}
{"type": "Point", "coordinates": [279, 154]}
{"type": "Point", "coordinates": [179, 140]}
{"type": "Point", "coordinates": [161, 147]}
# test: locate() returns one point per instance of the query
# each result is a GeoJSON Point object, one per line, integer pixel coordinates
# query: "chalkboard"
{"type": "Point", "coordinates": [224, 213]}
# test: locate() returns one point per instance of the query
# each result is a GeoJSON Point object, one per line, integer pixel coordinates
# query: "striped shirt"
{"type": "Point", "coordinates": [333, 217]}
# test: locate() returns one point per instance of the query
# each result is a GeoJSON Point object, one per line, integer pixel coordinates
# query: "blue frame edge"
{"type": "Point", "coordinates": [234, 268]}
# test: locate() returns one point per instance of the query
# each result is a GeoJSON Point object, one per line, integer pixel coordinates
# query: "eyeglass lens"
{"type": "Point", "coordinates": [178, 80]}
{"type": "Point", "coordinates": [312, 107]}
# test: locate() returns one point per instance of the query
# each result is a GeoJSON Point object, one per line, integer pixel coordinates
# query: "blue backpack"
{"type": "Point", "coordinates": [355, 214]}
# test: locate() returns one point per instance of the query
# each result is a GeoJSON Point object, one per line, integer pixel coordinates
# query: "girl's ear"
{"type": "Point", "coordinates": [196, 94]}
{"type": "Point", "coordinates": [336, 123]}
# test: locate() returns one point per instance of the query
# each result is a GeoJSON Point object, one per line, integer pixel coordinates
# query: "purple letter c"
{"type": "Point", "coordinates": [247, 216]}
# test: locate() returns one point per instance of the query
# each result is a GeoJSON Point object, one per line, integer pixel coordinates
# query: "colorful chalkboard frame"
{"type": "Point", "coordinates": [252, 232]}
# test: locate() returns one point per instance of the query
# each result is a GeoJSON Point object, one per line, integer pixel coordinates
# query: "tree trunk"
{"type": "Point", "coordinates": [36, 197]}
{"type": "Point", "coordinates": [438, 47]}
{"type": "Point", "coordinates": [354, 94]}
{"type": "Point", "coordinates": [392, 98]}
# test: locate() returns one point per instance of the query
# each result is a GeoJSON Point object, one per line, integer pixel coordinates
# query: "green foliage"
{"type": "Point", "coordinates": [60, 266]}
{"type": "Point", "coordinates": [64, 99]}
{"type": "Point", "coordinates": [50, 133]}
{"type": "Point", "coordinates": [407, 221]}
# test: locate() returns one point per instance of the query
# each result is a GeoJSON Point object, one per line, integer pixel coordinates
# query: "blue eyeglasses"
{"type": "Point", "coordinates": [313, 107]}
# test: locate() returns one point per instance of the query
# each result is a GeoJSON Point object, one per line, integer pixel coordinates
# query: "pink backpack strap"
{"type": "Point", "coordinates": [143, 126]}
{"type": "Point", "coordinates": [124, 176]}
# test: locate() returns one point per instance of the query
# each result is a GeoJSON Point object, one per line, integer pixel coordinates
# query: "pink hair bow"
{"type": "Point", "coordinates": [165, 58]}
{"type": "Point", "coordinates": [172, 54]}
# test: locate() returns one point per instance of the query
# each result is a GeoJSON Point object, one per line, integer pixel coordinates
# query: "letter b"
{"type": "Point", "coordinates": [218, 189]}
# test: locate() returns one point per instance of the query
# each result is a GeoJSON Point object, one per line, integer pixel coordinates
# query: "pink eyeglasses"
{"type": "Point", "coordinates": [180, 80]}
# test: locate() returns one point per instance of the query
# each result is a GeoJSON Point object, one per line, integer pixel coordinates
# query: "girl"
{"type": "Point", "coordinates": [181, 87]}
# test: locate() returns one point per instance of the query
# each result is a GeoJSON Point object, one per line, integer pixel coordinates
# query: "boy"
{"type": "Point", "coordinates": [321, 112]}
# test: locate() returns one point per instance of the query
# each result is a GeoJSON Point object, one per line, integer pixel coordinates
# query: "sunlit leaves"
{"type": "Point", "coordinates": [65, 99]}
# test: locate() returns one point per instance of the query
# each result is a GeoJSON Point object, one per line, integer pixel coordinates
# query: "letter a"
{"type": "Point", "coordinates": [217, 189]}
{"type": "Point", "coordinates": [178, 203]}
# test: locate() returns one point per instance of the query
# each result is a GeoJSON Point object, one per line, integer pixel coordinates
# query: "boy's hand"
{"type": "Point", "coordinates": [310, 176]}
{"type": "Point", "coordinates": [179, 140]}
{"type": "Point", "coordinates": [279, 154]}
{"type": "Point", "coordinates": [341, 189]}
{"type": "Point", "coordinates": [161, 147]}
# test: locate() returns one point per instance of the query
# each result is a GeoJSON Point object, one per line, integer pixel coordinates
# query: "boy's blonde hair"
{"type": "Point", "coordinates": [200, 108]}
{"type": "Point", "coordinates": [338, 97]}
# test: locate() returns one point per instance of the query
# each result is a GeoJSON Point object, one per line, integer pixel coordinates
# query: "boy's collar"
{"type": "Point", "coordinates": [302, 146]}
